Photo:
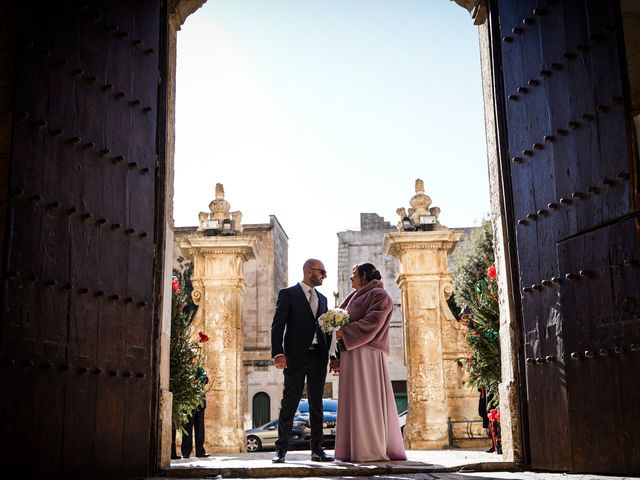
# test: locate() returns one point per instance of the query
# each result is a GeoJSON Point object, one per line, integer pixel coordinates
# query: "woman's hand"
{"type": "Point", "coordinates": [334, 365]}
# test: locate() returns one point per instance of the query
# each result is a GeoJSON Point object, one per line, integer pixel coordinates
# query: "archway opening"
{"type": "Point", "coordinates": [315, 114]}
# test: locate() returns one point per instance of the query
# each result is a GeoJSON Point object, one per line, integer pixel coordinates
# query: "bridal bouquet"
{"type": "Point", "coordinates": [333, 320]}
{"type": "Point", "coordinates": [330, 322]}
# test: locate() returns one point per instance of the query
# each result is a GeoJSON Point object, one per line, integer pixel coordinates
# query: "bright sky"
{"type": "Point", "coordinates": [317, 110]}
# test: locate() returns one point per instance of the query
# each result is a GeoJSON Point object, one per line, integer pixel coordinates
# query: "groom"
{"type": "Point", "coordinates": [301, 349]}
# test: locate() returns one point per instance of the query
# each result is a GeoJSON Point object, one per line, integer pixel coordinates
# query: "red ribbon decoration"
{"type": "Point", "coordinates": [493, 415]}
{"type": "Point", "coordinates": [203, 337]}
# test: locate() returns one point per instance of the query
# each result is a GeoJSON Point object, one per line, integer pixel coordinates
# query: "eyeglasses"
{"type": "Point", "coordinates": [322, 271]}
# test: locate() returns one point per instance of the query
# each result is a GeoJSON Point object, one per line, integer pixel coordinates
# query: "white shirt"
{"type": "Point", "coordinates": [306, 289]}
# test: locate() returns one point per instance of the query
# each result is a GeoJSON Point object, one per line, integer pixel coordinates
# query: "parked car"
{"type": "Point", "coordinates": [265, 436]}
{"type": "Point", "coordinates": [402, 417]}
{"type": "Point", "coordinates": [329, 414]}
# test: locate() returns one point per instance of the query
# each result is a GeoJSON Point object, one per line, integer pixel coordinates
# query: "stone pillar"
{"type": "Point", "coordinates": [218, 285]}
{"type": "Point", "coordinates": [432, 335]}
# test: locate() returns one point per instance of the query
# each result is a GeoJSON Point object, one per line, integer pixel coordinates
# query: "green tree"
{"type": "Point", "coordinates": [186, 368]}
{"type": "Point", "coordinates": [476, 291]}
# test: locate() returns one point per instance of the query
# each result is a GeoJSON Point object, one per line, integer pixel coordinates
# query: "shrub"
{"type": "Point", "coordinates": [186, 370]}
{"type": "Point", "coordinates": [476, 291]}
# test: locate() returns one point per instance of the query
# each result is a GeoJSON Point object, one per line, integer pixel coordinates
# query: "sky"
{"type": "Point", "coordinates": [317, 110]}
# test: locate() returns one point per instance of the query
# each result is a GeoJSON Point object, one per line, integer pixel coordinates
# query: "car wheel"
{"type": "Point", "coordinates": [253, 444]}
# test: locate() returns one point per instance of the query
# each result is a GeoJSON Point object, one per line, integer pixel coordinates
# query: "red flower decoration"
{"type": "Point", "coordinates": [497, 415]}
{"type": "Point", "coordinates": [203, 337]}
{"type": "Point", "coordinates": [492, 272]}
{"type": "Point", "coordinates": [491, 415]}
{"type": "Point", "coordinates": [175, 285]}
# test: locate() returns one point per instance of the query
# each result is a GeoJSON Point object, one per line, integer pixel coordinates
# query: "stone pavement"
{"type": "Point", "coordinates": [299, 464]}
{"type": "Point", "coordinates": [420, 465]}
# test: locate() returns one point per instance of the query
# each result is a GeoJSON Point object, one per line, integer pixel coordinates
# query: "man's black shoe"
{"type": "Point", "coordinates": [202, 455]}
{"type": "Point", "coordinates": [320, 456]}
{"type": "Point", "coordinates": [279, 458]}
{"type": "Point", "coordinates": [175, 457]}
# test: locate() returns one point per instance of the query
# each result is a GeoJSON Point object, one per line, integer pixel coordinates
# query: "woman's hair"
{"type": "Point", "coordinates": [368, 272]}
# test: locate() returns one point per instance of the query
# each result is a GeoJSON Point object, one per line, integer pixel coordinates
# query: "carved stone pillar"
{"type": "Point", "coordinates": [218, 285]}
{"type": "Point", "coordinates": [432, 336]}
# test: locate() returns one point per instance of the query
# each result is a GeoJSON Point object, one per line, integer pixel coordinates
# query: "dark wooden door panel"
{"type": "Point", "coordinates": [534, 186]}
{"type": "Point", "coordinates": [569, 158]}
{"type": "Point", "coordinates": [110, 420]}
{"type": "Point", "coordinates": [77, 331]}
{"type": "Point", "coordinates": [604, 345]}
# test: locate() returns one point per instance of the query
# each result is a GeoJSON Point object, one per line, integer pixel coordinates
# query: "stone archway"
{"type": "Point", "coordinates": [179, 11]}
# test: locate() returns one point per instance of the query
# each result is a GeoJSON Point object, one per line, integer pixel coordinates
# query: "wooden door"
{"type": "Point", "coordinates": [571, 173]}
{"type": "Point", "coordinates": [79, 381]}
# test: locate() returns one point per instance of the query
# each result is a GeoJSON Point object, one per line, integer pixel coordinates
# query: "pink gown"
{"type": "Point", "coordinates": [368, 429]}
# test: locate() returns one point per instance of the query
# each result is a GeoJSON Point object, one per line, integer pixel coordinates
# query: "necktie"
{"type": "Point", "coordinates": [313, 301]}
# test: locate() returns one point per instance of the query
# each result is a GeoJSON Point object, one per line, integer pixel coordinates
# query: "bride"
{"type": "Point", "coordinates": [367, 427]}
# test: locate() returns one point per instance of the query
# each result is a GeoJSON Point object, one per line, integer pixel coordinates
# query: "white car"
{"type": "Point", "coordinates": [402, 417]}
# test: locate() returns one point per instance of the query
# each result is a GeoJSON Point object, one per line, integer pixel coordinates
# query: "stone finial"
{"type": "Point", "coordinates": [219, 207]}
{"type": "Point", "coordinates": [402, 213]}
{"type": "Point", "coordinates": [420, 202]}
{"type": "Point", "coordinates": [219, 213]}
{"type": "Point", "coordinates": [435, 211]}
{"type": "Point", "coordinates": [236, 217]}
{"type": "Point", "coordinates": [421, 215]}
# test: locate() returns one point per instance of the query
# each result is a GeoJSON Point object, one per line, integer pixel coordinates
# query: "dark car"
{"type": "Point", "coordinates": [330, 412]}
{"type": "Point", "coordinates": [265, 436]}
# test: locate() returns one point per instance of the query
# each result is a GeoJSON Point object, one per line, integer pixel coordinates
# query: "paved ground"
{"type": "Point", "coordinates": [420, 465]}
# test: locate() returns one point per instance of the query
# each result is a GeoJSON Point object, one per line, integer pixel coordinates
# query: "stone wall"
{"type": "Point", "coordinates": [511, 383]}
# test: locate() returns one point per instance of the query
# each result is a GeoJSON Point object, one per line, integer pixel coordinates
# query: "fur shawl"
{"type": "Point", "coordinates": [370, 310]}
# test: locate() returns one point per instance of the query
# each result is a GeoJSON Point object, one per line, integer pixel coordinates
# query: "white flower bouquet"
{"type": "Point", "coordinates": [330, 322]}
{"type": "Point", "coordinates": [333, 320]}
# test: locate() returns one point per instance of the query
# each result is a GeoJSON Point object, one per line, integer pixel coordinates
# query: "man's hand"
{"type": "Point", "coordinates": [334, 365]}
{"type": "Point", "coordinates": [280, 361]}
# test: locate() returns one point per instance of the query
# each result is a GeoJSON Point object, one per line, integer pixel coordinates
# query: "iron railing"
{"type": "Point", "coordinates": [470, 435]}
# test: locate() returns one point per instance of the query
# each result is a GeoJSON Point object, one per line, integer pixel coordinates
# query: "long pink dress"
{"type": "Point", "coordinates": [367, 427]}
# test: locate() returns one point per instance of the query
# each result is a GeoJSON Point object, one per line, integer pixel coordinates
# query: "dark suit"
{"type": "Point", "coordinates": [292, 332]}
{"type": "Point", "coordinates": [194, 429]}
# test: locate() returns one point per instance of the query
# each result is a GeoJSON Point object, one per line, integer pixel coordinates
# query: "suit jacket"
{"type": "Point", "coordinates": [294, 326]}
